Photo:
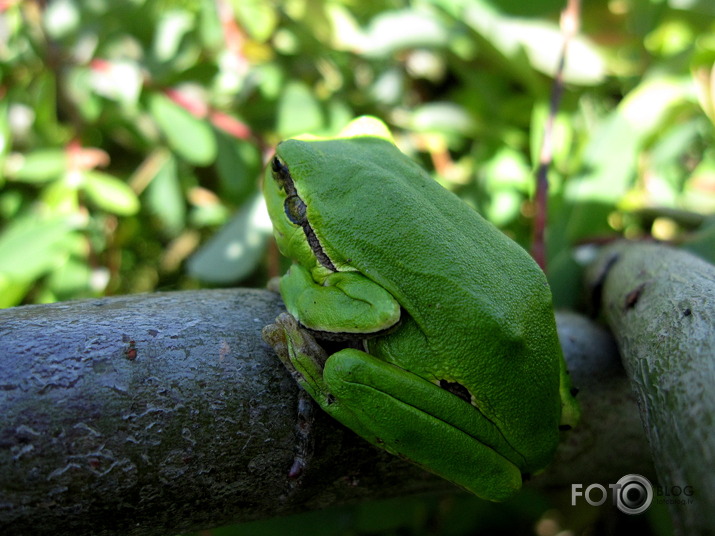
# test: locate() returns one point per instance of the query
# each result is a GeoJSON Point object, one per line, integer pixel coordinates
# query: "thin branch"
{"type": "Point", "coordinates": [659, 304]}
{"type": "Point", "coordinates": [163, 413]}
{"type": "Point", "coordinates": [570, 19]}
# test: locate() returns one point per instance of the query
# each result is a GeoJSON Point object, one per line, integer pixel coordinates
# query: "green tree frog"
{"type": "Point", "coordinates": [451, 357]}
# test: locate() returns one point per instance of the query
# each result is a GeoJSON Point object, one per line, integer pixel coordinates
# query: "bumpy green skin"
{"type": "Point", "coordinates": [476, 317]}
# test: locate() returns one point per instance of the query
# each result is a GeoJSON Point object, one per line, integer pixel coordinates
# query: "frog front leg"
{"type": "Point", "coordinates": [342, 303]}
{"type": "Point", "coordinates": [402, 413]}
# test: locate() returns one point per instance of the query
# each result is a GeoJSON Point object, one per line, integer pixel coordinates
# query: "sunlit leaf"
{"type": "Point", "coordinates": [234, 252]}
{"type": "Point", "coordinates": [399, 30]}
{"type": "Point", "coordinates": [119, 80]}
{"type": "Point", "coordinates": [110, 193]}
{"type": "Point", "coordinates": [649, 104]}
{"type": "Point", "coordinates": [171, 28]}
{"type": "Point", "coordinates": [31, 246]}
{"type": "Point", "coordinates": [611, 157]}
{"type": "Point", "coordinates": [209, 26]}
{"type": "Point", "coordinates": [38, 166]}
{"type": "Point", "coordinates": [61, 196]}
{"type": "Point", "coordinates": [12, 291]}
{"type": "Point", "coordinates": [258, 18]}
{"type": "Point", "coordinates": [442, 117]}
{"type": "Point", "coordinates": [209, 215]}
{"type": "Point", "coordinates": [540, 40]}
{"type": "Point", "coordinates": [61, 18]}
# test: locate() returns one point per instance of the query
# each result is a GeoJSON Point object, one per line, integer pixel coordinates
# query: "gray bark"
{"type": "Point", "coordinates": [159, 413]}
{"type": "Point", "coordinates": [659, 304]}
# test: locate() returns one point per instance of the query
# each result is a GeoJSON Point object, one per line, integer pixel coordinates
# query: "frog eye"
{"type": "Point", "coordinates": [295, 210]}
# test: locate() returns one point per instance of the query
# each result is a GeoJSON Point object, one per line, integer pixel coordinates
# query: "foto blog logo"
{"type": "Point", "coordinates": [632, 494]}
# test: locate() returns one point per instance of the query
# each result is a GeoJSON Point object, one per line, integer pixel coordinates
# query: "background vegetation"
{"type": "Point", "coordinates": [133, 134]}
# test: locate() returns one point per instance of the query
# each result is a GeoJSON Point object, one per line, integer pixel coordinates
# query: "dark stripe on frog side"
{"type": "Point", "coordinates": [281, 174]}
{"type": "Point", "coordinates": [317, 248]}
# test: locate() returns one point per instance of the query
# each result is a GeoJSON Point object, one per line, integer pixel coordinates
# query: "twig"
{"type": "Point", "coordinates": [570, 18]}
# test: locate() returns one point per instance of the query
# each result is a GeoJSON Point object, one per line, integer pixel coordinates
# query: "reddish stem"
{"type": "Point", "coordinates": [570, 17]}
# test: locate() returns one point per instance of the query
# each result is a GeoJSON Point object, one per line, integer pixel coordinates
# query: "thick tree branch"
{"type": "Point", "coordinates": [160, 413]}
{"type": "Point", "coordinates": [659, 304]}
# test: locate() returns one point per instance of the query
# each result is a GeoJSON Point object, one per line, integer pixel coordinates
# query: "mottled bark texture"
{"type": "Point", "coordinates": [160, 413]}
{"type": "Point", "coordinates": [660, 305]}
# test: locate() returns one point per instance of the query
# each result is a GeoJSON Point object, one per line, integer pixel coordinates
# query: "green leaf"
{"type": "Point", "coordinates": [539, 41]}
{"type": "Point", "coordinates": [172, 26]}
{"type": "Point", "coordinates": [611, 158]}
{"type": "Point", "coordinates": [10, 203]}
{"type": "Point", "coordinates": [43, 94]}
{"type": "Point", "coordinates": [238, 165]}
{"type": "Point", "coordinates": [5, 139]}
{"type": "Point", "coordinates": [234, 252]}
{"type": "Point", "coordinates": [192, 138]}
{"type": "Point", "coordinates": [443, 117]}
{"type": "Point", "coordinates": [120, 80]}
{"type": "Point", "coordinates": [110, 193]}
{"type": "Point", "coordinates": [73, 279]}
{"type": "Point", "coordinates": [78, 84]}
{"type": "Point", "coordinates": [165, 199]}
{"type": "Point", "coordinates": [61, 18]}
{"type": "Point", "coordinates": [698, 195]}
{"type": "Point", "coordinates": [258, 18]}
{"type": "Point", "coordinates": [12, 291]}
{"type": "Point", "coordinates": [532, 8]}
{"type": "Point", "coordinates": [209, 26]}
{"type": "Point", "coordinates": [29, 247]}
{"type": "Point", "coordinates": [298, 111]}
{"type": "Point", "coordinates": [61, 197]}
{"type": "Point", "coordinates": [38, 166]}
{"type": "Point", "coordinates": [392, 31]}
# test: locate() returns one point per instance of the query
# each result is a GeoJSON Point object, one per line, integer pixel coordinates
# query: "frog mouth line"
{"type": "Point", "coordinates": [317, 249]}
{"type": "Point", "coordinates": [296, 211]}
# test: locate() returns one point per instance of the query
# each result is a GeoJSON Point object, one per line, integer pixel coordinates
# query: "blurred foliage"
{"type": "Point", "coordinates": [133, 133]}
{"type": "Point", "coordinates": [456, 515]}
